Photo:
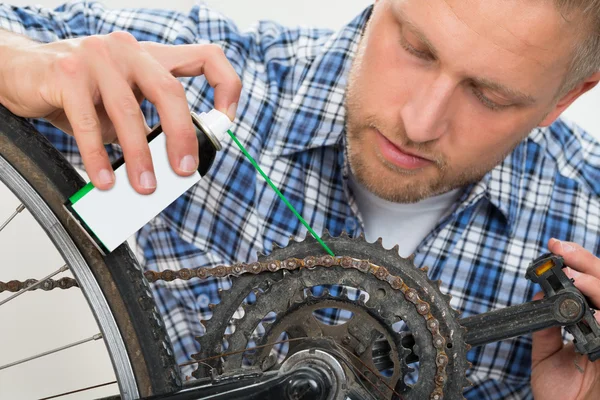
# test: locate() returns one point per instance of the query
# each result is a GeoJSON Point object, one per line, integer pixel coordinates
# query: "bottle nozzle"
{"type": "Point", "coordinates": [216, 124]}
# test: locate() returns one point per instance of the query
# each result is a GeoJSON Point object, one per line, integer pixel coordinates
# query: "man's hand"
{"type": "Point", "coordinates": [558, 372]}
{"type": "Point", "coordinates": [91, 88]}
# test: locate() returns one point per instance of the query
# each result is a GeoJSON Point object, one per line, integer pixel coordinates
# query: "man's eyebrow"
{"type": "Point", "coordinates": [513, 94]}
{"type": "Point", "coordinates": [416, 31]}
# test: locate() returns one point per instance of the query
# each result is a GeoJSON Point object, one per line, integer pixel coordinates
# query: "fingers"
{"type": "Point", "coordinates": [86, 128]}
{"type": "Point", "coordinates": [588, 285]}
{"type": "Point", "coordinates": [123, 110]}
{"type": "Point", "coordinates": [546, 342]}
{"type": "Point", "coordinates": [110, 135]}
{"type": "Point", "coordinates": [198, 59]}
{"type": "Point", "coordinates": [584, 267]}
{"type": "Point", "coordinates": [85, 124]}
{"type": "Point", "coordinates": [119, 71]}
{"type": "Point", "coordinates": [167, 94]}
{"type": "Point", "coordinates": [576, 257]}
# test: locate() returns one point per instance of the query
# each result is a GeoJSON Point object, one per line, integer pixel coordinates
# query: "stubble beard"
{"type": "Point", "coordinates": [385, 179]}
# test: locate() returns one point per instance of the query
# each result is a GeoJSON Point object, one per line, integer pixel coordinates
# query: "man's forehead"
{"type": "Point", "coordinates": [531, 28]}
{"type": "Point", "coordinates": [495, 39]}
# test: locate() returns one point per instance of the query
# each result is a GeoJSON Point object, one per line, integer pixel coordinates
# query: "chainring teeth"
{"type": "Point", "coordinates": [442, 376]}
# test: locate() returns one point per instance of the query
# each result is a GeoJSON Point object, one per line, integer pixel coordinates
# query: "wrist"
{"type": "Point", "coordinates": [13, 39]}
{"type": "Point", "coordinates": [13, 54]}
{"type": "Point", "coordinates": [11, 44]}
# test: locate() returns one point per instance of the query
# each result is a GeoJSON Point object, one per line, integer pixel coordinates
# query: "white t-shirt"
{"type": "Point", "coordinates": [403, 224]}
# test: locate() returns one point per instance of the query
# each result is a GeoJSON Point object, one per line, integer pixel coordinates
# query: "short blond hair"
{"type": "Point", "coordinates": [586, 55]}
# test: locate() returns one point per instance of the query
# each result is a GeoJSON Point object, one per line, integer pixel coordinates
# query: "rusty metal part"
{"type": "Point", "coordinates": [367, 343]}
{"type": "Point", "coordinates": [357, 335]}
{"type": "Point", "coordinates": [569, 308]}
{"type": "Point", "coordinates": [48, 284]}
{"type": "Point", "coordinates": [397, 292]}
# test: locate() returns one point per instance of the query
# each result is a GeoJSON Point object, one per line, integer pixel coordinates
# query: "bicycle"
{"type": "Point", "coordinates": [364, 358]}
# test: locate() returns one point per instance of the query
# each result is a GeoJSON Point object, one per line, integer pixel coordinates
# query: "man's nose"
{"type": "Point", "coordinates": [426, 113]}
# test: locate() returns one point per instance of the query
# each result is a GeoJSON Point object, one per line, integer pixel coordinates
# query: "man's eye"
{"type": "Point", "coordinates": [486, 101]}
{"type": "Point", "coordinates": [417, 53]}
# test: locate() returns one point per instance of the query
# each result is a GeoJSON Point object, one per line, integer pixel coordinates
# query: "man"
{"type": "Point", "coordinates": [436, 129]}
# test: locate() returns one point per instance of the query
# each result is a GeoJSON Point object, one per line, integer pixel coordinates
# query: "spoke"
{"type": "Point", "coordinates": [95, 337]}
{"type": "Point", "coordinates": [79, 390]}
{"type": "Point", "coordinates": [240, 351]}
{"type": "Point", "coordinates": [34, 285]}
{"type": "Point", "coordinates": [19, 209]}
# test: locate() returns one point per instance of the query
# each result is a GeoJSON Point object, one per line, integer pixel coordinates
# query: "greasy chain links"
{"type": "Point", "coordinates": [48, 284]}
{"type": "Point", "coordinates": [221, 271]}
{"type": "Point", "coordinates": [381, 273]}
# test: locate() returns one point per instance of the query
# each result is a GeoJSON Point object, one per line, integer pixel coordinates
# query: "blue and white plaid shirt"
{"type": "Point", "coordinates": [291, 119]}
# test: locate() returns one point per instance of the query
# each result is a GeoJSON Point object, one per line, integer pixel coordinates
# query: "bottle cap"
{"type": "Point", "coordinates": [215, 124]}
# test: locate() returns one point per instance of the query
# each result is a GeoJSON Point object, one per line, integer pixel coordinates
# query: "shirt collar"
{"type": "Point", "coordinates": [316, 114]}
{"type": "Point", "coordinates": [506, 184]}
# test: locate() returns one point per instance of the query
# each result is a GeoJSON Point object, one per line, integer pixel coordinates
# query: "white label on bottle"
{"type": "Point", "coordinates": [116, 214]}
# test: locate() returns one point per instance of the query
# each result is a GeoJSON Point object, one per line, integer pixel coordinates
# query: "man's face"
{"type": "Point", "coordinates": [457, 83]}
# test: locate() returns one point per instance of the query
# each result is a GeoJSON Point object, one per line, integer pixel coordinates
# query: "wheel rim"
{"type": "Point", "coordinates": [78, 266]}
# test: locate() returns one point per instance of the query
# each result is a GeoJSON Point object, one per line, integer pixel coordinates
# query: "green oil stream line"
{"type": "Point", "coordinates": [281, 196]}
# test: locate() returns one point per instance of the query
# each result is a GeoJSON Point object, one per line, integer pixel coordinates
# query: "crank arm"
{"type": "Point", "coordinates": [566, 308]}
{"type": "Point", "coordinates": [298, 384]}
{"type": "Point", "coordinates": [564, 305]}
{"type": "Point", "coordinates": [559, 310]}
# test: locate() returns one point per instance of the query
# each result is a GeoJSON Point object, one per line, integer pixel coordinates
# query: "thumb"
{"type": "Point", "coordinates": [546, 342]}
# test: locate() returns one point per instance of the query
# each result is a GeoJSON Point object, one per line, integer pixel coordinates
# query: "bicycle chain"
{"type": "Point", "coordinates": [311, 262]}
{"type": "Point", "coordinates": [48, 284]}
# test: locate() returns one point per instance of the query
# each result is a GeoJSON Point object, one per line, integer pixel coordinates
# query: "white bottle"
{"type": "Point", "coordinates": [110, 217]}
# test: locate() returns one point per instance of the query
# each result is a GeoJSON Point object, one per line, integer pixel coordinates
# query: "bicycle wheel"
{"type": "Point", "coordinates": [114, 286]}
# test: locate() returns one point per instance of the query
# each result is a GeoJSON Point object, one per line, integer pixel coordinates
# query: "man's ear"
{"type": "Point", "coordinates": [570, 97]}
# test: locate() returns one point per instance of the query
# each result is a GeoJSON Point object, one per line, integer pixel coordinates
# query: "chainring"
{"type": "Point", "coordinates": [399, 294]}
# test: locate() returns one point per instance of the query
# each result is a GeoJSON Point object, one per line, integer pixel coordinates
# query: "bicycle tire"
{"type": "Point", "coordinates": [118, 275]}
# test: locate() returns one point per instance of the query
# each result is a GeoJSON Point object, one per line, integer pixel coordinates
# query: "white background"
{"type": "Point", "coordinates": [33, 255]}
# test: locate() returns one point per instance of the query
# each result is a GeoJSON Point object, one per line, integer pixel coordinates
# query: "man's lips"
{"type": "Point", "coordinates": [397, 156]}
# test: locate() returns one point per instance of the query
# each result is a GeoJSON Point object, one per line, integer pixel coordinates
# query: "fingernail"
{"type": "Point", "coordinates": [231, 111]}
{"type": "Point", "coordinates": [147, 180]}
{"type": "Point", "coordinates": [105, 177]}
{"type": "Point", "coordinates": [188, 164]}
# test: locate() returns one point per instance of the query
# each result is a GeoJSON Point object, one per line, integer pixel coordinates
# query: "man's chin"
{"type": "Point", "coordinates": [391, 182]}
{"type": "Point", "coordinates": [402, 195]}
{"type": "Point", "coordinates": [397, 186]}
